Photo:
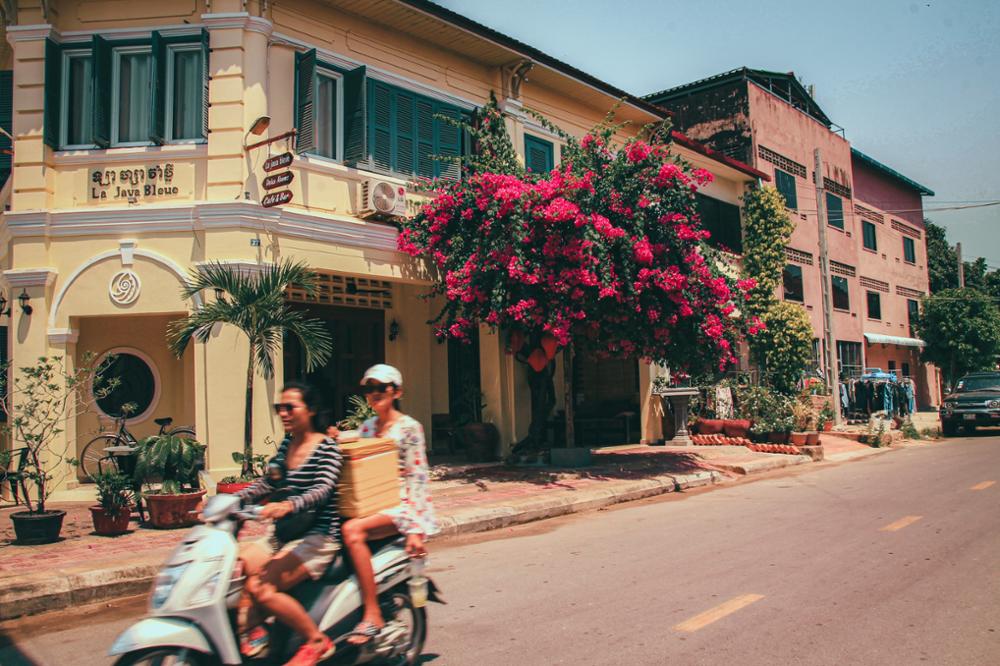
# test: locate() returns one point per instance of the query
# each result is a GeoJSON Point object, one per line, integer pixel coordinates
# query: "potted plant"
{"type": "Point", "coordinates": [114, 492]}
{"type": "Point", "coordinates": [254, 467]}
{"type": "Point", "coordinates": [826, 417]}
{"type": "Point", "coordinates": [359, 412]}
{"type": "Point", "coordinates": [42, 397]}
{"type": "Point", "coordinates": [173, 462]}
{"type": "Point", "coordinates": [480, 440]}
{"type": "Point", "coordinates": [804, 419]}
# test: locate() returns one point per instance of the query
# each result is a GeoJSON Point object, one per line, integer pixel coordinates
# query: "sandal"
{"type": "Point", "coordinates": [254, 641]}
{"type": "Point", "coordinates": [366, 629]}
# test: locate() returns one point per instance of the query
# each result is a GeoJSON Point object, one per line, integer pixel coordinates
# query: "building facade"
{"type": "Point", "coordinates": [769, 120]}
{"type": "Point", "coordinates": [131, 124]}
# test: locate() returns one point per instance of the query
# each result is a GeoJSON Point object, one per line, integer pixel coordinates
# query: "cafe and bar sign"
{"type": "Point", "coordinates": [151, 182]}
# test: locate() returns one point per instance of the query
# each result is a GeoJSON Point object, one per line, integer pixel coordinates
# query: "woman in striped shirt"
{"type": "Point", "coordinates": [311, 462]}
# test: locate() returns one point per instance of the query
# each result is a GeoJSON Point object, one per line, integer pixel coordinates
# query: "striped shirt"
{"type": "Point", "coordinates": [312, 485]}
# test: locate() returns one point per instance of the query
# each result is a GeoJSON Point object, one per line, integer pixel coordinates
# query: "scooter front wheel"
{"type": "Point", "coordinates": [168, 656]}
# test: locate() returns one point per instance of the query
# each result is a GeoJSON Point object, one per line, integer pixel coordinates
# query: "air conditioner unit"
{"type": "Point", "coordinates": [380, 198]}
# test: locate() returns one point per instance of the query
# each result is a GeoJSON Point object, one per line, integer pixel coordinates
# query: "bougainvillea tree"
{"type": "Point", "coordinates": [605, 252]}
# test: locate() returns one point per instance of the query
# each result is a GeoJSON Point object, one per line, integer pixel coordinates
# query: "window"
{"type": "Point", "coordinates": [874, 305]}
{"type": "Point", "coordinates": [791, 278]}
{"type": "Point", "coordinates": [785, 183]}
{"type": "Point", "coordinates": [892, 366]}
{"type": "Point", "coordinates": [834, 211]}
{"type": "Point", "coordinates": [909, 251]}
{"type": "Point", "coordinates": [137, 384]}
{"type": "Point", "coordinates": [538, 154]}
{"type": "Point", "coordinates": [3, 364]}
{"type": "Point", "coordinates": [868, 231]}
{"type": "Point", "coordinates": [126, 93]}
{"type": "Point", "coordinates": [6, 122]}
{"type": "Point", "coordinates": [912, 313]}
{"type": "Point", "coordinates": [817, 356]}
{"type": "Point", "coordinates": [849, 359]}
{"type": "Point", "coordinates": [841, 293]}
{"type": "Point", "coordinates": [722, 221]}
{"type": "Point", "coordinates": [906, 369]}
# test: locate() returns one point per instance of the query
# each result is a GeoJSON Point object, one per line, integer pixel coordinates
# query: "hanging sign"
{"type": "Point", "coordinates": [276, 198]}
{"type": "Point", "coordinates": [278, 162]}
{"type": "Point", "coordinates": [278, 179]}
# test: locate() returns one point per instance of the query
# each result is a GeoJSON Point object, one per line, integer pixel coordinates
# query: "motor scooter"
{"type": "Point", "coordinates": [192, 610]}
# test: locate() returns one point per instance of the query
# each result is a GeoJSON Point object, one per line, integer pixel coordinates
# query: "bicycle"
{"type": "Point", "coordinates": [94, 456]}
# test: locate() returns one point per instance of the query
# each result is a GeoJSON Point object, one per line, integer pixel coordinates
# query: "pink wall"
{"type": "Point", "coordinates": [887, 193]}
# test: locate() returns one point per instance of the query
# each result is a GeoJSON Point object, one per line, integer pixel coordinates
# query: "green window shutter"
{"type": "Point", "coordinates": [425, 138]}
{"type": "Point", "coordinates": [380, 124]}
{"type": "Point", "coordinates": [354, 116]}
{"type": "Point", "coordinates": [53, 93]}
{"type": "Point", "coordinates": [6, 122]}
{"type": "Point", "coordinates": [538, 154]}
{"type": "Point", "coordinates": [158, 91]}
{"type": "Point", "coordinates": [785, 184]}
{"type": "Point", "coordinates": [868, 235]}
{"type": "Point", "coordinates": [404, 148]}
{"type": "Point", "coordinates": [206, 53]}
{"type": "Point", "coordinates": [305, 101]}
{"type": "Point", "coordinates": [101, 71]}
{"type": "Point", "coordinates": [449, 139]}
{"type": "Point", "coordinates": [834, 211]}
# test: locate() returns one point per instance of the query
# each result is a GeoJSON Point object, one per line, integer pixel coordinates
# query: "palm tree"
{"type": "Point", "coordinates": [255, 304]}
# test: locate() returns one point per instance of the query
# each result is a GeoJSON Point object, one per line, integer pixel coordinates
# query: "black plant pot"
{"type": "Point", "coordinates": [33, 528]}
{"type": "Point", "coordinates": [482, 442]}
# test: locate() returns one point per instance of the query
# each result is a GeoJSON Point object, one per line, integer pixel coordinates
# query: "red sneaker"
{"type": "Point", "coordinates": [310, 654]}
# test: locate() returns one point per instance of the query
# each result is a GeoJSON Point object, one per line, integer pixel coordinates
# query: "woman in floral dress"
{"type": "Point", "coordinates": [413, 517]}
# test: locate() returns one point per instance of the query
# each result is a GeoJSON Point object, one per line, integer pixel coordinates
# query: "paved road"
{"type": "Point", "coordinates": [890, 560]}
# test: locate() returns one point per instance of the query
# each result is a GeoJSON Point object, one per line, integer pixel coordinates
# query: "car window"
{"type": "Point", "coordinates": [978, 383]}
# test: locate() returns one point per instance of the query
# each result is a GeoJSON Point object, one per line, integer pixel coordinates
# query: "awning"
{"type": "Point", "coordinates": [878, 338]}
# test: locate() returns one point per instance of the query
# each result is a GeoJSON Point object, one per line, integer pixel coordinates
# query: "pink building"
{"type": "Point", "coordinates": [770, 121]}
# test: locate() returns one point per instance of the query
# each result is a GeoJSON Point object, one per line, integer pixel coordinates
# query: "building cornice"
{"type": "Point", "coordinates": [28, 33]}
{"type": "Point", "coordinates": [30, 277]}
{"type": "Point", "coordinates": [240, 20]}
{"type": "Point", "coordinates": [63, 336]}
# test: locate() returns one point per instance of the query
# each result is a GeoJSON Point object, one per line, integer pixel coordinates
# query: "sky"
{"type": "Point", "coordinates": [916, 85]}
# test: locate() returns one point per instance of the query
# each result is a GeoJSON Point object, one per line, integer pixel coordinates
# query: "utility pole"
{"type": "Point", "coordinates": [961, 266]}
{"type": "Point", "coordinates": [824, 276]}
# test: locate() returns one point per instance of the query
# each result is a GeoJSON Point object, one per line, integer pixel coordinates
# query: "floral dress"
{"type": "Point", "coordinates": [415, 513]}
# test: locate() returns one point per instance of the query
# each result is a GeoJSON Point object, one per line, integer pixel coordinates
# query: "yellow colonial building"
{"type": "Point", "coordinates": [130, 167]}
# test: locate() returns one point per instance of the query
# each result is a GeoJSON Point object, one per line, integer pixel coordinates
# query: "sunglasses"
{"type": "Point", "coordinates": [369, 389]}
{"type": "Point", "coordinates": [284, 407]}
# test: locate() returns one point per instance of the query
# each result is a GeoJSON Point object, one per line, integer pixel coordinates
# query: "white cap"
{"type": "Point", "coordinates": [383, 373]}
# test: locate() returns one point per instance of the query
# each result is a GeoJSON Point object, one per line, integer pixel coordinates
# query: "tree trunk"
{"type": "Point", "coordinates": [543, 400]}
{"type": "Point", "coordinates": [568, 395]}
{"type": "Point", "coordinates": [248, 422]}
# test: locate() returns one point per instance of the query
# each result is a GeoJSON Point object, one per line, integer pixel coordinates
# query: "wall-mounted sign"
{"type": "Point", "coordinates": [278, 162]}
{"type": "Point", "coordinates": [276, 198]}
{"type": "Point", "coordinates": [135, 184]}
{"type": "Point", "coordinates": [278, 179]}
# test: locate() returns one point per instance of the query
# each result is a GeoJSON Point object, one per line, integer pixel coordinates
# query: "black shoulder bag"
{"type": "Point", "coordinates": [293, 525]}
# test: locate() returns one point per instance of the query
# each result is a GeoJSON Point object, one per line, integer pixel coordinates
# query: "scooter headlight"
{"type": "Point", "coordinates": [164, 583]}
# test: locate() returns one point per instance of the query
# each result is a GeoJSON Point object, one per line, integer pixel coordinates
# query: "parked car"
{"type": "Point", "coordinates": [974, 402]}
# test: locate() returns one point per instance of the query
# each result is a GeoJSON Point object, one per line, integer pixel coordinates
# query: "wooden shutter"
{"type": "Point", "coordinates": [305, 101]}
{"type": "Point", "coordinates": [158, 90]}
{"type": "Point", "coordinates": [354, 116]}
{"type": "Point", "coordinates": [448, 141]}
{"type": "Point", "coordinates": [425, 138]}
{"type": "Point", "coordinates": [538, 154]}
{"type": "Point", "coordinates": [101, 71]}
{"type": "Point", "coordinates": [404, 150]}
{"type": "Point", "coordinates": [4, 359]}
{"type": "Point", "coordinates": [834, 211]}
{"type": "Point", "coordinates": [206, 54]}
{"type": "Point", "coordinates": [6, 122]}
{"type": "Point", "coordinates": [53, 94]}
{"type": "Point", "coordinates": [380, 125]}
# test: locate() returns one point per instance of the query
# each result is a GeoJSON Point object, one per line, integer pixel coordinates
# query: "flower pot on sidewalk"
{"type": "Point", "coordinates": [777, 437]}
{"type": "Point", "coordinates": [231, 488]}
{"type": "Point", "coordinates": [482, 442]}
{"type": "Point", "coordinates": [170, 511]}
{"type": "Point", "coordinates": [812, 438]}
{"type": "Point", "coordinates": [798, 438]}
{"type": "Point", "coordinates": [36, 528]}
{"type": "Point", "coordinates": [110, 524]}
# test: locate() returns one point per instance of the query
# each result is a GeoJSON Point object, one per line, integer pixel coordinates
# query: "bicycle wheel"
{"type": "Point", "coordinates": [93, 453]}
{"type": "Point", "coordinates": [183, 431]}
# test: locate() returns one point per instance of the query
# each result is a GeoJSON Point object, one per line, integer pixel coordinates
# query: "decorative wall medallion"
{"type": "Point", "coordinates": [124, 287]}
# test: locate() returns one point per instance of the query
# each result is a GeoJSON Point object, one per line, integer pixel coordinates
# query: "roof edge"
{"type": "Point", "coordinates": [892, 173]}
{"type": "Point", "coordinates": [699, 147]}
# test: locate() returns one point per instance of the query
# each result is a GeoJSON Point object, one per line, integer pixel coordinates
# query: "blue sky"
{"type": "Point", "coordinates": [916, 85]}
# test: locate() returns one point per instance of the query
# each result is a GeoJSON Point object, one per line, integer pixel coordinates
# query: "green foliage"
{"type": "Point", "coordinates": [961, 329]}
{"type": "Point", "coordinates": [826, 415]}
{"type": "Point", "coordinates": [942, 262]}
{"type": "Point", "coordinates": [171, 460]}
{"type": "Point", "coordinates": [42, 398]}
{"type": "Point", "coordinates": [770, 411]}
{"type": "Point", "coordinates": [359, 412]}
{"type": "Point", "coordinates": [767, 228]}
{"type": "Point", "coordinates": [114, 492]}
{"type": "Point", "coordinates": [254, 303]}
{"type": "Point", "coordinates": [909, 430]}
{"type": "Point", "coordinates": [784, 348]}
{"type": "Point", "coordinates": [876, 435]}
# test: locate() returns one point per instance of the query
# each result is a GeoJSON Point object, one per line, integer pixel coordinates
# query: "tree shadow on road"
{"type": "Point", "coordinates": [10, 655]}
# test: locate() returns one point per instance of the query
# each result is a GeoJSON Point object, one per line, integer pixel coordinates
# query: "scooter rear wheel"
{"type": "Point", "coordinates": [168, 656]}
{"type": "Point", "coordinates": [401, 604]}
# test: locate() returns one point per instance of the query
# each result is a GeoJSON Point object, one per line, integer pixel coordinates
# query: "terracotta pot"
{"type": "Point", "coordinates": [798, 438]}
{"type": "Point", "coordinates": [777, 437]}
{"type": "Point", "coordinates": [828, 426]}
{"type": "Point", "coordinates": [812, 439]}
{"type": "Point", "coordinates": [537, 360]}
{"type": "Point", "coordinates": [106, 524]}
{"type": "Point", "coordinates": [735, 427]}
{"type": "Point", "coordinates": [709, 426]}
{"type": "Point", "coordinates": [549, 346]}
{"type": "Point", "coordinates": [34, 528]}
{"type": "Point", "coordinates": [232, 488]}
{"type": "Point", "coordinates": [170, 511]}
{"type": "Point", "coordinates": [481, 442]}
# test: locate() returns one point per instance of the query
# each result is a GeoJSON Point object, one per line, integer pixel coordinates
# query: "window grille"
{"type": "Point", "coordinates": [877, 285]}
{"type": "Point", "coordinates": [838, 189]}
{"type": "Point", "coordinates": [798, 256]}
{"type": "Point", "coordinates": [782, 162]}
{"type": "Point", "coordinates": [335, 289]}
{"type": "Point", "coordinates": [909, 293]}
{"type": "Point", "coordinates": [869, 214]}
{"type": "Point", "coordinates": [903, 229]}
{"type": "Point", "coordinates": [842, 269]}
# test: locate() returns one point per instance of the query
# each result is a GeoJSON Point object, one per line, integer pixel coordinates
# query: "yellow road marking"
{"type": "Point", "coordinates": [717, 613]}
{"type": "Point", "coordinates": [900, 524]}
{"type": "Point", "coordinates": [982, 486]}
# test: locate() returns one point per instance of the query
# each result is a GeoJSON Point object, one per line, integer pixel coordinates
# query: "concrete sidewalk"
{"type": "Point", "coordinates": [83, 567]}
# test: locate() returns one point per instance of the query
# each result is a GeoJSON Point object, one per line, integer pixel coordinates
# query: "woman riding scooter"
{"type": "Point", "coordinates": [414, 517]}
{"type": "Point", "coordinates": [306, 469]}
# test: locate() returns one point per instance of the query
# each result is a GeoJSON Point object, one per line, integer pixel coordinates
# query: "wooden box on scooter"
{"type": "Point", "coordinates": [369, 480]}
